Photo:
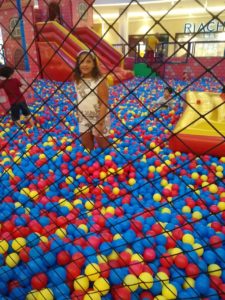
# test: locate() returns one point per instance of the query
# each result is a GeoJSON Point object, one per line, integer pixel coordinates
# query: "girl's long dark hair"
{"type": "Point", "coordinates": [96, 73]}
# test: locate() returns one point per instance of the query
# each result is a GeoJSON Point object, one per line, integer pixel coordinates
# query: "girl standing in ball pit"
{"type": "Point", "coordinates": [92, 100]}
{"type": "Point", "coordinates": [16, 98]}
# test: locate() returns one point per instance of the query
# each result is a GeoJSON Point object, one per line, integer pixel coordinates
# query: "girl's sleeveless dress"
{"type": "Point", "coordinates": [89, 107]}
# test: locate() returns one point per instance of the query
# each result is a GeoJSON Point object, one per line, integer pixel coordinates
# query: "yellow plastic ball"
{"type": "Point", "coordinates": [213, 188]}
{"type": "Point", "coordinates": [188, 239]}
{"type": "Point", "coordinates": [69, 180]}
{"type": "Point", "coordinates": [151, 169]}
{"type": "Point", "coordinates": [194, 175]}
{"type": "Point", "coordinates": [117, 236]}
{"type": "Point", "coordinates": [12, 260]}
{"type": "Point", "coordinates": [110, 210]}
{"type": "Point", "coordinates": [131, 181]}
{"type": "Point", "coordinates": [221, 206]}
{"type": "Point", "coordinates": [92, 271]}
{"type": "Point", "coordinates": [108, 157]}
{"type": "Point", "coordinates": [89, 204]}
{"type": "Point", "coordinates": [81, 283]}
{"type": "Point", "coordinates": [44, 294]}
{"type": "Point", "coordinates": [69, 148]}
{"type": "Point", "coordinates": [4, 246]}
{"type": "Point", "coordinates": [189, 283]}
{"type": "Point", "coordinates": [136, 257]}
{"type": "Point", "coordinates": [186, 209]}
{"type": "Point", "coordinates": [161, 276]}
{"type": "Point", "coordinates": [84, 190]}
{"type": "Point", "coordinates": [61, 232]}
{"type": "Point", "coordinates": [197, 215]}
{"type": "Point", "coordinates": [103, 175]}
{"type": "Point", "coordinates": [131, 282]}
{"type": "Point", "coordinates": [113, 255]}
{"type": "Point", "coordinates": [102, 286]}
{"type": "Point", "coordinates": [102, 258]}
{"type": "Point", "coordinates": [34, 195]}
{"type": "Point", "coordinates": [169, 291]}
{"type": "Point", "coordinates": [92, 295]}
{"type": "Point", "coordinates": [77, 202]}
{"type": "Point", "coordinates": [166, 210]}
{"type": "Point", "coordinates": [198, 249]}
{"type": "Point", "coordinates": [157, 197]}
{"type": "Point", "coordinates": [145, 280]}
{"type": "Point", "coordinates": [214, 270]}
{"type": "Point", "coordinates": [159, 297]}
{"type": "Point", "coordinates": [83, 227]}
{"type": "Point", "coordinates": [116, 190]}
{"type": "Point", "coordinates": [18, 244]}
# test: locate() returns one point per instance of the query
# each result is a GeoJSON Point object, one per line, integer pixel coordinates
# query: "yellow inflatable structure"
{"type": "Point", "coordinates": [201, 128]}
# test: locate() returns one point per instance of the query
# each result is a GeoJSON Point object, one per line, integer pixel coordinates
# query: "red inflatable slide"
{"type": "Point", "coordinates": [58, 49]}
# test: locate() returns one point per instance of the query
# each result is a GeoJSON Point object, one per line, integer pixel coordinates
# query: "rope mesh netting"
{"type": "Point", "coordinates": [139, 216]}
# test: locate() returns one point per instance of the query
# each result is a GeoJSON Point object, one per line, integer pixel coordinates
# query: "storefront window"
{"type": "Point", "coordinates": [202, 44]}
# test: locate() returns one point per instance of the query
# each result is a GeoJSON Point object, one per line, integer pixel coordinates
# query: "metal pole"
{"type": "Point", "coordinates": [23, 39]}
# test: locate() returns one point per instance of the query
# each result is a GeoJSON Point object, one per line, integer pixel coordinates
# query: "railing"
{"type": "Point", "coordinates": [183, 50]}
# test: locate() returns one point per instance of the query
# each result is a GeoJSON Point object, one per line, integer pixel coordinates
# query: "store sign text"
{"type": "Point", "coordinates": [212, 26]}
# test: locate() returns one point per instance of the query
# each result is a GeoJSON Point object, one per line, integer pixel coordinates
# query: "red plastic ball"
{"type": "Point", "coordinates": [73, 270]}
{"type": "Point", "coordinates": [215, 241]}
{"type": "Point", "coordinates": [63, 258]}
{"type": "Point", "coordinates": [39, 281]}
{"type": "Point", "coordinates": [166, 260]}
{"type": "Point", "coordinates": [149, 254]}
{"type": "Point", "coordinates": [181, 261]}
{"type": "Point", "coordinates": [192, 270]}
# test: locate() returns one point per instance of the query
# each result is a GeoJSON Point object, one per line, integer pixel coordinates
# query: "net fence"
{"type": "Point", "coordinates": [112, 150]}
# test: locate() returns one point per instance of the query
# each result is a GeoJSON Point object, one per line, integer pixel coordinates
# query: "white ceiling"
{"type": "Point", "coordinates": [110, 9]}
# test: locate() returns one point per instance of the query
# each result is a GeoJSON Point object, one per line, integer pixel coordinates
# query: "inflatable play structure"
{"type": "Point", "coordinates": [58, 48]}
{"type": "Point", "coordinates": [201, 128]}
{"type": "Point", "coordinates": [42, 47]}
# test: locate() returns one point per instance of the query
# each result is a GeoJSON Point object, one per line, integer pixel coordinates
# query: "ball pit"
{"type": "Point", "coordinates": [136, 221]}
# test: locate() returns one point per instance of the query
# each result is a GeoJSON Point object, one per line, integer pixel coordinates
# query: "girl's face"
{"type": "Point", "coordinates": [86, 65]}
{"type": "Point", "coordinates": [166, 94]}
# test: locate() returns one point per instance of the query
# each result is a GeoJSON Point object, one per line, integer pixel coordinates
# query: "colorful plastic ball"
{"type": "Point", "coordinates": [213, 188]}
{"type": "Point", "coordinates": [181, 261]}
{"type": "Point", "coordinates": [121, 292]}
{"type": "Point", "coordinates": [192, 270]}
{"type": "Point", "coordinates": [145, 280]}
{"type": "Point", "coordinates": [163, 277]}
{"type": "Point", "coordinates": [4, 246]}
{"type": "Point", "coordinates": [12, 260]}
{"type": "Point", "coordinates": [202, 284]}
{"type": "Point", "coordinates": [131, 282]}
{"type": "Point", "coordinates": [40, 295]}
{"type": "Point", "coordinates": [81, 283]}
{"type": "Point", "coordinates": [63, 258]}
{"type": "Point", "coordinates": [131, 181]}
{"type": "Point", "coordinates": [73, 270]}
{"type": "Point", "coordinates": [102, 286]}
{"type": "Point", "coordinates": [92, 295]}
{"type": "Point", "coordinates": [215, 241]}
{"type": "Point", "coordinates": [157, 197]}
{"type": "Point", "coordinates": [188, 238]}
{"type": "Point", "coordinates": [89, 205]}
{"type": "Point", "coordinates": [214, 270]}
{"type": "Point", "coordinates": [149, 254]}
{"type": "Point", "coordinates": [189, 283]}
{"type": "Point", "coordinates": [92, 271]}
{"type": "Point", "coordinates": [18, 244]}
{"type": "Point", "coordinates": [169, 291]}
{"type": "Point", "coordinates": [39, 281]}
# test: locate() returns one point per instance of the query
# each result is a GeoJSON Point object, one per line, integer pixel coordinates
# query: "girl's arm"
{"type": "Point", "coordinates": [103, 95]}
